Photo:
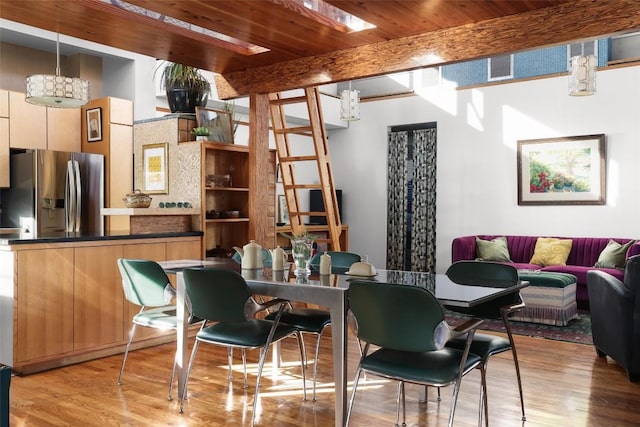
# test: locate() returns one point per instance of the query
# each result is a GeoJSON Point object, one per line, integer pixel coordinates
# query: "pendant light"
{"type": "Point", "coordinates": [57, 91]}
{"type": "Point", "coordinates": [350, 105]}
{"type": "Point", "coordinates": [582, 75]}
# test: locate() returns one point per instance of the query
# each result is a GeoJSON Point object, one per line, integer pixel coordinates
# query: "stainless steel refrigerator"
{"type": "Point", "coordinates": [54, 193]}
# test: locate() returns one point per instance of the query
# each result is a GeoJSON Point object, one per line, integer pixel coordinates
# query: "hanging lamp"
{"type": "Point", "coordinates": [350, 105]}
{"type": "Point", "coordinates": [57, 91]}
{"type": "Point", "coordinates": [582, 75]}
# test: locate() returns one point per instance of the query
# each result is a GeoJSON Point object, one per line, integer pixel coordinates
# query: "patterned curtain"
{"type": "Point", "coordinates": [411, 223]}
{"type": "Point", "coordinates": [397, 193]}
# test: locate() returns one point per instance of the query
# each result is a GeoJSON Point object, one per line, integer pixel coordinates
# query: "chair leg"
{"type": "Point", "coordinates": [454, 399]}
{"type": "Point", "coordinates": [126, 352]}
{"type": "Point", "coordinates": [315, 364]}
{"type": "Point", "coordinates": [244, 368]}
{"type": "Point", "coordinates": [302, 365]}
{"type": "Point", "coordinates": [230, 362]}
{"type": "Point", "coordinates": [507, 324]}
{"type": "Point", "coordinates": [186, 380]}
{"type": "Point", "coordinates": [483, 411]}
{"type": "Point", "coordinates": [401, 398]}
{"type": "Point", "coordinates": [353, 395]}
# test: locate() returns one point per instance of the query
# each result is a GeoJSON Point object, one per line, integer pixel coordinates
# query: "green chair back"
{"type": "Point", "coordinates": [143, 281]}
{"type": "Point", "coordinates": [340, 261]}
{"type": "Point", "coordinates": [5, 382]}
{"type": "Point", "coordinates": [396, 317]}
{"type": "Point", "coordinates": [217, 295]}
{"type": "Point", "coordinates": [482, 273]}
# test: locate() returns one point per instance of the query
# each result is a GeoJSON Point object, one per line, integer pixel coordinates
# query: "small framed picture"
{"type": "Point", "coordinates": [156, 176]}
{"type": "Point", "coordinates": [219, 123]}
{"type": "Point", "coordinates": [94, 124]}
{"type": "Point", "coordinates": [283, 210]}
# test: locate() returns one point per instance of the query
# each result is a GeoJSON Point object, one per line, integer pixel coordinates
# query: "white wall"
{"type": "Point", "coordinates": [478, 130]}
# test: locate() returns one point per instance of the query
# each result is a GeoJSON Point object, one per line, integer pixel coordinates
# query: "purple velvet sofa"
{"type": "Point", "coordinates": [584, 254]}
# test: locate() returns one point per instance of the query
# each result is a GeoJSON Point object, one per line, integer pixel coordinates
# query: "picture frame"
{"type": "Point", "coordinates": [94, 124]}
{"type": "Point", "coordinates": [155, 168]}
{"type": "Point", "coordinates": [562, 171]}
{"type": "Point", "coordinates": [219, 123]}
{"type": "Point", "coordinates": [283, 211]}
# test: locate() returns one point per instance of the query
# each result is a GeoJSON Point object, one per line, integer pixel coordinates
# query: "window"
{"type": "Point", "coordinates": [500, 67]}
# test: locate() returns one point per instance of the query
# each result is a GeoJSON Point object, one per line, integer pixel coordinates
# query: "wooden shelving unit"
{"type": "Point", "coordinates": [222, 231]}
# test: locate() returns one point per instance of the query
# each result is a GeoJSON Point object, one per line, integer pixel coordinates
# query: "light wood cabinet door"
{"type": "Point", "coordinates": [27, 123]}
{"type": "Point", "coordinates": [44, 313]}
{"type": "Point", "coordinates": [98, 297]}
{"type": "Point", "coordinates": [5, 175]}
{"type": "Point", "coordinates": [63, 129]}
{"type": "Point", "coordinates": [190, 249]}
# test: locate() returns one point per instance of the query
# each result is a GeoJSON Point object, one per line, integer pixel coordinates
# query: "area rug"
{"type": "Point", "coordinates": [577, 331]}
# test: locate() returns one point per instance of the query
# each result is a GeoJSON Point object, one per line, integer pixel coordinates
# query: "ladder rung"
{"type": "Point", "coordinates": [297, 159]}
{"type": "Point", "coordinates": [302, 186]}
{"type": "Point", "coordinates": [300, 130]}
{"type": "Point", "coordinates": [310, 213]}
{"type": "Point", "coordinates": [292, 100]}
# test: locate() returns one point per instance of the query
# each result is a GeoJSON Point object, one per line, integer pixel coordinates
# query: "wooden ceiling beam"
{"type": "Point", "coordinates": [567, 22]}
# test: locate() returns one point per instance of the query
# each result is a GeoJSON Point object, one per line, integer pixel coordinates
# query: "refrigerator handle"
{"type": "Point", "coordinates": [70, 198]}
{"type": "Point", "coordinates": [78, 210]}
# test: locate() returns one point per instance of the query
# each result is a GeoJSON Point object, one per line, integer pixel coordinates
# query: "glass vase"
{"type": "Point", "coordinates": [301, 252]}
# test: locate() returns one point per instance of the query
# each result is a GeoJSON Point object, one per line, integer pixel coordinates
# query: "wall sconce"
{"type": "Point", "coordinates": [57, 91]}
{"type": "Point", "coordinates": [350, 105]}
{"type": "Point", "coordinates": [582, 75]}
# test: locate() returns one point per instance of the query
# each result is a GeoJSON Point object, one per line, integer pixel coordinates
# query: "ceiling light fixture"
{"type": "Point", "coordinates": [582, 75]}
{"type": "Point", "coordinates": [57, 91]}
{"type": "Point", "coordinates": [350, 105]}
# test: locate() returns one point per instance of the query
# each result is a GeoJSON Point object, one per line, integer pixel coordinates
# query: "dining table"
{"type": "Point", "coordinates": [330, 292]}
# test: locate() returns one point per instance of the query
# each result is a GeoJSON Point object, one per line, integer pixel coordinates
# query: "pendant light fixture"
{"type": "Point", "coordinates": [350, 105]}
{"type": "Point", "coordinates": [582, 75]}
{"type": "Point", "coordinates": [57, 91]}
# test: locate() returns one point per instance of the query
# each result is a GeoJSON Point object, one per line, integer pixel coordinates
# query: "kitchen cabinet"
{"type": "Point", "coordinates": [4, 139]}
{"type": "Point", "coordinates": [38, 127]}
{"type": "Point", "coordinates": [63, 303]}
{"type": "Point", "coordinates": [225, 192]}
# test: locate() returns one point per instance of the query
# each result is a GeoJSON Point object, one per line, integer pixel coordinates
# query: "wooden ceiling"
{"type": "Point", "coordinates": [306, 49]}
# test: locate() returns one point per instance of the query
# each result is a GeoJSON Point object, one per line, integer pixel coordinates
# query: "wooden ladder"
{"type": "Point", "coordinates": [292, 150]}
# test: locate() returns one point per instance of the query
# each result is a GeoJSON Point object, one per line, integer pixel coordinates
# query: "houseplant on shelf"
{"type": "Point", "coordinates": [201, 133]}
{"type": "Point", "coordinates": [186, 87]}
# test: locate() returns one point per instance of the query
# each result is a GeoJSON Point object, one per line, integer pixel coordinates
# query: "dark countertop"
{"type": "Point", "coordinates": [61, 237]}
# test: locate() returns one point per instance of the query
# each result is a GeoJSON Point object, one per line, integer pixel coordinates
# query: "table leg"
{"type": "Point", "coordinates": [181, 338]}
{"type": "Point", "coordinates": [340, 338]}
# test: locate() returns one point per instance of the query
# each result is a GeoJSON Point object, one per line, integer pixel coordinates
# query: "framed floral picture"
{"type": "Point", "coordinates": [562, 171]}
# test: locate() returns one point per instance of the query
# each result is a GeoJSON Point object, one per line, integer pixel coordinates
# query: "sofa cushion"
{"type": "Point", "coordinates": [492, 250]}
{"type": "Point", "coordinates": [551, 251]}
{"type": "Point", "coordinates": [581, 272]}
{"type": "Point", "coordinates": [614, 255]}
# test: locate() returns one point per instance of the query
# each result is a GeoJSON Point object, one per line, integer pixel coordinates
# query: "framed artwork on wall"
{"type": "Point", "coordinates": [94, 124]}
{"type": "Point", "coordinates": [155, 171]}
{"type": "Point", "coordinates": [283, 211]}
{"type": "Point", "coordinates": [562, 171]}
{"type": "Point", "coordinates": [219, 123]}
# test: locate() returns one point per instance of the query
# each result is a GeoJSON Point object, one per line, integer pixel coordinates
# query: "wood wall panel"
{"type": "Point", "coordinates": [63, 129]}
{"type": "Point", "coordinates": [44, 313]}
{"type": "Point", "coordinates": [98, 298]}
{"type": "Point", "coordinates": [5, 176]}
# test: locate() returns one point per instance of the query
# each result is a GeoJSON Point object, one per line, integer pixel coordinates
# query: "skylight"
{"type": "Point", "coordinates": [336, 15]}
{"type": "Point", "coordinates": [240, 46]}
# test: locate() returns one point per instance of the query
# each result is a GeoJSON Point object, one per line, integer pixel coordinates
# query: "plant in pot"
{"type": "Point", "coordinates": [201, 133]}
{"type": "Point", "coordinates": [186, 87]}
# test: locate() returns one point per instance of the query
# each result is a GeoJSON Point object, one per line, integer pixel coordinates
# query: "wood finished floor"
{"type": "Point", "coordinates": [564, 385]}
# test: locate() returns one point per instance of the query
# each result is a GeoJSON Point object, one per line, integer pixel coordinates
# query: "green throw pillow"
{"type": "Point", "coordinates": [492, 250]}
{"type": "Point", "coordinates": [614, 255]}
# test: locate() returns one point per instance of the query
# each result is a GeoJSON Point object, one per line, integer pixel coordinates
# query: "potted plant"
{"type": "Point", "coordinates": [301, 249]}
{"type": "Point", "coordinates": [186, 87]}
{"type": "Point", "coordinates": [201, 133]}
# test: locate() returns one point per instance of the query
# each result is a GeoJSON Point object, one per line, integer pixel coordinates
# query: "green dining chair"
{"type": "Point", "coordinates": [494, 275]}
{"type": "Point", "coordinates": [146, 285]}
{"type": "Point", "coordinates": [406, 325]}
{"type": "Point", "coordinates": [222, 298]}
{"type": "Point", "coordinates": [5, 382]}
{"type": "Point", "coordinates": [313, 320]}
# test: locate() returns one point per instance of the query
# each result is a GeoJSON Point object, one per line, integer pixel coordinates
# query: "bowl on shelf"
{"type": "Point", "coordinates": [137, 199]}
{"type": "Point", "coordinates": [230, 214]}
